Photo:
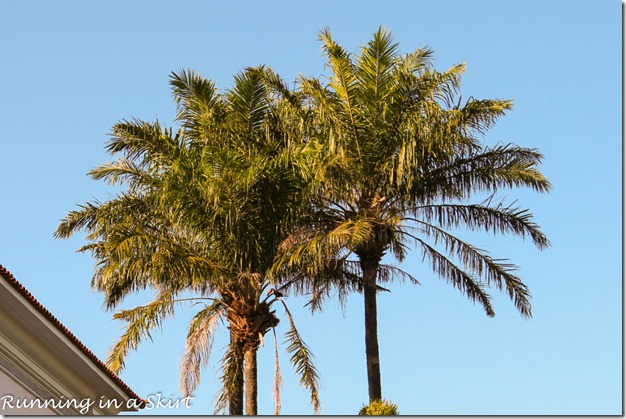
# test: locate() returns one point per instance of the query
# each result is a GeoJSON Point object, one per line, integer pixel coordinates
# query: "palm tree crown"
{"type": "Point", "coordinates": [203, 212]}
{"type": "Point", "coordinates": [402, 160]}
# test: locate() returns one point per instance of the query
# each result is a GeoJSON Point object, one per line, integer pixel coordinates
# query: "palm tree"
{"type": "Point", "coordinates": [202, 212]}
{"type": "Point", "coordinates": [251, 188]}
{"type": "Point", "coordinates": [403, 159]}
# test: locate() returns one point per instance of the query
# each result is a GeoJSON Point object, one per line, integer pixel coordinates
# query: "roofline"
{"type": "Point", "coordinates": [4, 273]}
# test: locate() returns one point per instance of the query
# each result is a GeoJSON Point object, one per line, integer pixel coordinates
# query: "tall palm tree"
{"type": "Point", "coordinates": [202, 213]}
{"type": "Point", "coordinates": [403, 160]}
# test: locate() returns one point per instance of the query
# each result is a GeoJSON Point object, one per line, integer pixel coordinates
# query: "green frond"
{"type": "Point", "coordinates": [336, 277]}
{"type": "Point", "coordinates": [416, 63]}
{"type": "Point", "coordinates": [445, 86]}
{"type": "Point", "coordinates": [76, 220]}
{"type": "Point", "coordinates": [499, 219]}
{"type": "Point", "coordinates": [302, 360]}
{"type": "Point", "coordinates": [117, 281]}
{"type": "Point", "coordinates": [278, 86]}
{"type": "Point", "coordinates": [141, 322]}
{"type": "Point", "coordinates": [123, 170]}
{"type": "Point", "coordinates": [248, 101]}
{"type": "Point", "coordinates": [481, 115]}
{"type": "Point", "coordinates": [148, 142]}
{"type": "Point", "coordinates": [193, 94]}
{"type": "Point", "coordinates": [375, 66]}
{"type": "Point", "coordinates": [96, 218]}
{"type": "Point", "coordinates": [503, 166]}
{"type": "Point", "coordinates": [133, 259]}
{"type": "Point", "coordinates": [447, 270]}
{"type": "Point", "coordinates": [484, 266]}
{"type": "Point", "coordinates": [344, 82]}
{"type": "Point", "coordinates": [199, 106]}
{"type": "Point", "coordinates": [317, 247]}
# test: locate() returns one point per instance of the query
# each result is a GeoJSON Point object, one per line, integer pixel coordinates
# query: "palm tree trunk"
{"type": "Point", "coordinates": [370, 268]}
{"type": "Point", "coordinates": [250, 381]}
{"type": "Point", "coordinates": [235, 403]}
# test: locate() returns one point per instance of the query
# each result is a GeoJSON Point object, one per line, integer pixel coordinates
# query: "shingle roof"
{"type": "Point", "coordinates": [4, 273]}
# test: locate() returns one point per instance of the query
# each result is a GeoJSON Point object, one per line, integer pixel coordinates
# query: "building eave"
{"type": "Point", "coordinates": [19, 303]}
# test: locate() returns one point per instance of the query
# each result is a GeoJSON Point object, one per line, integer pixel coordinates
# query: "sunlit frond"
{"type": "Point", "coordinates": [122, 171]}
{"type": "Point", "coordinates": [148, 143]}
{"type": "Point", "coordinates": [375, 66]}
{"type": "Point", "coordinates": [193, 94]}
{"type": "Point", "coordinates": [248, 101]}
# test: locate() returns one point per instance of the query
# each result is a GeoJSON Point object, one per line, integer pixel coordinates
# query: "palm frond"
{"type": "Point", "coordinates": [302, 360]}
{"type": "Point", "coordinates": [389, 273]}
{"type": "Point", "coordinates": [124, 170]}
{"type": "Point", "coordinates": [480, 115]}
{"type": "Point", "coordinates": [443, 87]}
{"type": "Point", "coordinates": [479, 262]}
{"type": "Point", "coordinates": [141, 321]}
{"type": "Point", "coordinates": [416, 62]}
{"type": "Point", "coordinates": [278, 379]}
{"type": "Point", "coordinates": [193, 94]}
{"type": "Point", "coordinates": [446, 269]}
{"type": "Point", "coordinates": [315, 246]}
{"type": "Point", "coordinates": [232, 368]}
{"type": "Point", "coordinates": [76, 220]}
{"type": "Point", "coordinates": [198, 346]}
{"type": "Point", "coordinates": [375, 65]}
{"type": "Point", "coordinates": [248, 100]}
{"type": "Point", "coordinates": [344, 82]}
{"type": "Point", "coordinates": [488, 170]}
{"type": "Point", "coordinates": [498, 219]}
{"type": "Point", "coordinates": [147, 142]}
{"type": "Point", "coordinates": [337, 277]}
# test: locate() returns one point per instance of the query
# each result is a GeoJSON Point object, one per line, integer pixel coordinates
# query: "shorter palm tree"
{"type": "Point", "coordinates": [199, 215]}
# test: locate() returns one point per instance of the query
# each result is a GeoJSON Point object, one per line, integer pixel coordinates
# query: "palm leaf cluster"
{"type": "Point", "coordinates": [202, 212]}
{"type": "Point", "coordinates": [402, 160]}
{"type": "Point", "coordinates": [265, 190]}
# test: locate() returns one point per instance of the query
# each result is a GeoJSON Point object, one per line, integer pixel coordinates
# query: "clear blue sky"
{"type": "Point", "coordinates": [70, 69]}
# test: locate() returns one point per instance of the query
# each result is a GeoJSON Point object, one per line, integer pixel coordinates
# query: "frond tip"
{"type": "Point", "coordinates": [141, 322]}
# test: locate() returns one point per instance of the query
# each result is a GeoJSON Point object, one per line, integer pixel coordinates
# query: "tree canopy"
{"type": "Point", "coordinates": [202, 211]}
{"type": "Point", "coordinates": [402, 160]}
{"type": "Point", "coordinates": [263, 190]}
